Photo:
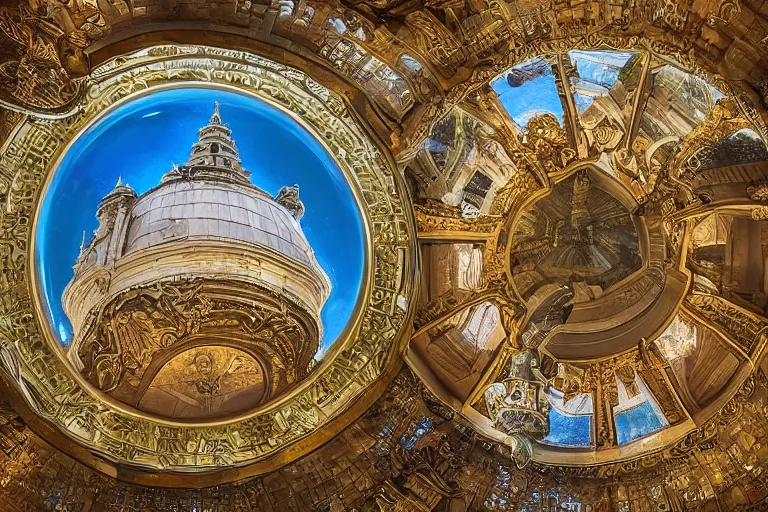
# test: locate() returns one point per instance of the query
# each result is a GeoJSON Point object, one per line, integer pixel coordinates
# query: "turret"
{"type": "Point", "coordinates": [107, 241]}
{"type": "Point", "coordinates": [213, 156]}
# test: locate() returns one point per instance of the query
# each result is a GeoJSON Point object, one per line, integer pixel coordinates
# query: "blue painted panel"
{"type": "Point", "coordinates": [637, 422]}
{"type": "Point", "coordinates": [565, 430]}
{"type": "Point", "coordinates": [526, 98]}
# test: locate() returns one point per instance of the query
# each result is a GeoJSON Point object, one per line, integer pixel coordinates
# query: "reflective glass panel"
{"type": "Point", "coordinates": [593, 74]}
{"type": "Point", "coordinates": [528, 90]}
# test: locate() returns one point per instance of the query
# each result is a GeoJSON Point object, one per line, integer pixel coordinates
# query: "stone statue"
{"type": "Point", "coordinates": [289, 198]}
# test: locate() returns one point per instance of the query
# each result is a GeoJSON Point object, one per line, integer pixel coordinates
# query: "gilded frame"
{"type": "Point", "coordinates": [31, 358]}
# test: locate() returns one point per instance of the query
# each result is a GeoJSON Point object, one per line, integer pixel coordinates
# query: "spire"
{"type": "Point", "coordinates": [213, 156]}
{"type": "Point", "coordinates": [120, 193]}
{"type": "Point", "coordinates": [120, 189]}
{"type": "Point", "coordinates": [215, 117]}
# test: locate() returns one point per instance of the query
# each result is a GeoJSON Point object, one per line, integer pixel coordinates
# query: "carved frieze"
{"type": "Point", "coordinates": [141, 333]}
{"type": "Point", "coordinates": [43, 57]}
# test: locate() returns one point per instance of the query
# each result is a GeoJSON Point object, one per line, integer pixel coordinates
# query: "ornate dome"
{"type": "Point", "coordinates": [182, 209]}
{"type": "Point", "coordinates": [569, 220]}
{"type": "Point", "coordinates": [580, 236]}
{"type": "Point", "coordinates": [212, 198]}
{"type": "Point", "coordinates": [200, 298]}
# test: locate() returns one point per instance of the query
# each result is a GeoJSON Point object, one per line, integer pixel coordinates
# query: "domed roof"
{"type": "Point", "coordinates": [205, 258]}
{"type": "Point", "coordinates": [198, 209]}
{"type": "Point", "coordinates": [211, 198]}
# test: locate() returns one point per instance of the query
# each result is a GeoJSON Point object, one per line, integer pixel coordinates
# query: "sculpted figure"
{"type": "Point", "coordinates": [289, 198]}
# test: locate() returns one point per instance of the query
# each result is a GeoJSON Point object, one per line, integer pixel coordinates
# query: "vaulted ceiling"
{"type": "Point", "coordinates": [567, 205]}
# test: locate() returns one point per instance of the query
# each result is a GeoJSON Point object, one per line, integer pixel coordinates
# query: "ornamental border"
{"type": "Point", "coordinates": [32, 360]}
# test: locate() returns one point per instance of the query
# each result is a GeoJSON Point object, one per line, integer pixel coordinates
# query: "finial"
{"type": "Point", "coordinates": [216, 117]}
{"type": "Point", "coordinates": [119, 181]}
{"type": "Point", "coordinates": [82, 244]}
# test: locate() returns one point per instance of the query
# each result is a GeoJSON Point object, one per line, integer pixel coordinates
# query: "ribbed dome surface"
{"type": "Point", "coordinates": [214, 210]}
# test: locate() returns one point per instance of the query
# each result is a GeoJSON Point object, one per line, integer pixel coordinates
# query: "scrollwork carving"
{"type": "Point", "coordinates": [549, 142]}
{"type": "Point", "coordinates": [741, 327]}
{"type": "Point", "coordinates": [46, 42]}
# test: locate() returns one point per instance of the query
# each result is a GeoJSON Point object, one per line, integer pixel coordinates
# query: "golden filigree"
{"type": "Point", "coordinates": [361, 358]}
{"type": "Point", "coordinates": [47, 60]}
{"type": "Point", "coordinates": [548, 141]}
{"type": "Point", "coordinates": [435, 216]}
{"type": "Point", "coordinates": [145, 327]}
{"type": "Point", "coordinates": [744, 328]}
{"type": "Point", "coordinates": [725, 119]}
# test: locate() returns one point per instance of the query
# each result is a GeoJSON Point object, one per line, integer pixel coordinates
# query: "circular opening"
{"type": "Point", "coordinates": [140, 182]}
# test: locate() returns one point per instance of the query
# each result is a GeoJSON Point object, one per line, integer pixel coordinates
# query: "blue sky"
{"type": "Point", "coordinates": [595, 71]}
{"type": "Point", "coordinates": [569, 430]}
{"type": "Point", "coordinates": [142, 139]}
{"type": "Point", "coordinates": [539, 95]}
{"type": "Point", "coordinates": [534, 97]}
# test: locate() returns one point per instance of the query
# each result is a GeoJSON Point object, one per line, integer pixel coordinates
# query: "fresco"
{"type": "Point", "coordinates": [175, 244]}
{"type": "Point", "coordinates": [190, 385]}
